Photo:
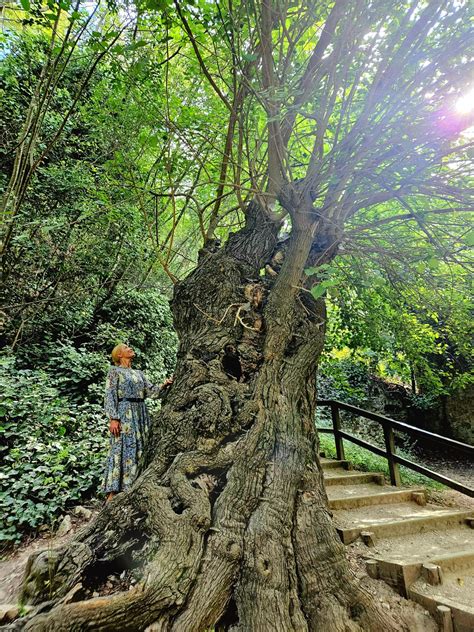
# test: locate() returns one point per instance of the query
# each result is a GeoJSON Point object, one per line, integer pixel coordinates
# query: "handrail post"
{"type": "Point", "coordinates": [395, 478]}
{"type": "Point", "coordinates": [336, 424]}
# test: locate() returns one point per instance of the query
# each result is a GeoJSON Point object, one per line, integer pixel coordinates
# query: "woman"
{"type": "Point", "coordinates": [125, 393]}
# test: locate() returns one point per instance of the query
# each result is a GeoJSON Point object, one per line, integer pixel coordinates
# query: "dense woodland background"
{"type": "Point", "coordinates": [132, 137]}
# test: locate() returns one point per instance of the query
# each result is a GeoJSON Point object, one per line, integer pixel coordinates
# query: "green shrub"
{"type": "Point", "coordinates": [141, 319]}
{"type": "Point", "coordinates": [52, 451]}
{"type": "Point", "coordinates": [75, 371]}
{"type": "Point", "coordinates": [344, 379]}
{"type": "Point", "coordinates": [53, 432]}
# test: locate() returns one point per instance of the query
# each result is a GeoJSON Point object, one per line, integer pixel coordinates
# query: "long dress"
{"type": "Point", "coordinates": [125, 450]}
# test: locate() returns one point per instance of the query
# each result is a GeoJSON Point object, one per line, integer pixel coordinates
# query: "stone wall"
{"type": "Point", "coordinates": [459, 414]}
{"type": "Point", "coordinates": [452, 417]}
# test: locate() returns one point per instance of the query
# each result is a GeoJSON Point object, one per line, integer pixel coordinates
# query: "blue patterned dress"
{"type": "Point", "coordinates": [126, 449]}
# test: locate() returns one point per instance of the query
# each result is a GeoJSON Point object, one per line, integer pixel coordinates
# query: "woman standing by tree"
{"type": "Point", "coordinates": [125, 393]}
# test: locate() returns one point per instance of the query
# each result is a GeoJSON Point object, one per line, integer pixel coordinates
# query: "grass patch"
{"type": "Point", "coordinates": [366, 461]}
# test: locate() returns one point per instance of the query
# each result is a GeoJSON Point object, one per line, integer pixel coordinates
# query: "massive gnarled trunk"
{"type": "Point", "coordinates": [228, 521]}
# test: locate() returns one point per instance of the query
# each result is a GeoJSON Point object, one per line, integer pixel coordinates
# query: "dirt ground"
{"type": "Point", "coordinates": [410, 616]}
{"type": "Point", "coordinates": [459, 468]}
{"type": "Point", "coordinates": [12, 563]}
{"type": "Point", "coordinates": [451, 498]}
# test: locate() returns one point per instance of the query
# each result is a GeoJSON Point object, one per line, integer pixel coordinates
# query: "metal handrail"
{"type": "Point", "coordinates": [394, 460]}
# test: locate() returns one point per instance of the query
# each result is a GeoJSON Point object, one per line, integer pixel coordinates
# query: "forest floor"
{"type": "Point", "coordinates": [13, 563]}
{"type": "Point", "coordinates": [12, 566]}
{"type": "Point", "coordinates": [410, 615]}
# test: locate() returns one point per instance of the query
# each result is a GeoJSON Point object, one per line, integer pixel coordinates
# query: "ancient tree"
{"type": "Point", "coordinates": [228, 521]}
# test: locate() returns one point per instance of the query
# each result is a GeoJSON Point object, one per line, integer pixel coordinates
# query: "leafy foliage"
{"type": "Point", "coordinates": [81, 279]}
{"type": "Point", "coordinates": [53, 431]}
{"type": "Point", "coordinates": [52, 450]}
{"type": "Point", "coordinates": [402, 326]}
{"type": "Point", "coordinates": [77, 365]}
{"type": "Point", "coordinates": [79, 238]}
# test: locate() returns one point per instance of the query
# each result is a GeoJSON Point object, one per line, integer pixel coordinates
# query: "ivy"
{"type": "Point", "coordinates": [52, 451]}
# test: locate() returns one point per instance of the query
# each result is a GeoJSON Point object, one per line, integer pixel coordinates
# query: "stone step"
{"type": "Point", "coordinates": [419, 548]}
{"type": "Point", "coordinates": [353, 496]}
{"type": "Point", "coordinates": [400, 569]}
{"type": "Point", "coordinates": [328, 464]}
{"type": "Point", "coordinates": [338, 476]}
{"type": "Point", "coordinates": [455, 592]}
{"type": "Point", "coordinates": [455, 562]}
{"type": "Point", "coordinates": [395, 519]}
{"type": "Point", "coordinates": [424, 551]}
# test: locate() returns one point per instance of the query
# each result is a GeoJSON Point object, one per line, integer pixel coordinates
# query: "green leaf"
{"type": "Point", "coordinates": [136, 45]}
{"type": "Point", "coordinates": [153, 142]}
{"type": "Point", "coordinates": [433, 263]}
{"type": "Point", "coordinates": [157, 5]}
{"type": "Point", "coordinates": [25, 4]}
{"type": "Point", "coordinates": [469, 238]}
{"type": "Point", "coordinates": [318, 290]}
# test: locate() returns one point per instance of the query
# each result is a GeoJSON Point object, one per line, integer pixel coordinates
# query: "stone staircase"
{"type": "Point", "coordinates": [423, 550]}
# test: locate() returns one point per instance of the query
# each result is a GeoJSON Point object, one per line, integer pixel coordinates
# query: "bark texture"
{"type": "Point", "coordinates": [228, 523]}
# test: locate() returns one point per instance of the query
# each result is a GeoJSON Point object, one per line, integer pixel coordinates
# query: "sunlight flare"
{"type": "Point", "coordinates": [465, 104]}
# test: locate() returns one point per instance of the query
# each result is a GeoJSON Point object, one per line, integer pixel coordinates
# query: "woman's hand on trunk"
{"type": "Point", "coordinates": [167, 382]}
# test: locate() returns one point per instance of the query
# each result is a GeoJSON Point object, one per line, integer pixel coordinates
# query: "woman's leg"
{"type": "Point", "coordinates": [113, 469]}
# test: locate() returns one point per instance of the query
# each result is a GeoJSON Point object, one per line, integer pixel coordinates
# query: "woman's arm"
{"type": "Point", "coordinates": [155, 391]}
{"type": "Point", "coordinates": [111, 401]}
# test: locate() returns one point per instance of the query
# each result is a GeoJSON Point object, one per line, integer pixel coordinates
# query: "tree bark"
{"type": "Point", "coordinates": [228, 522]}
